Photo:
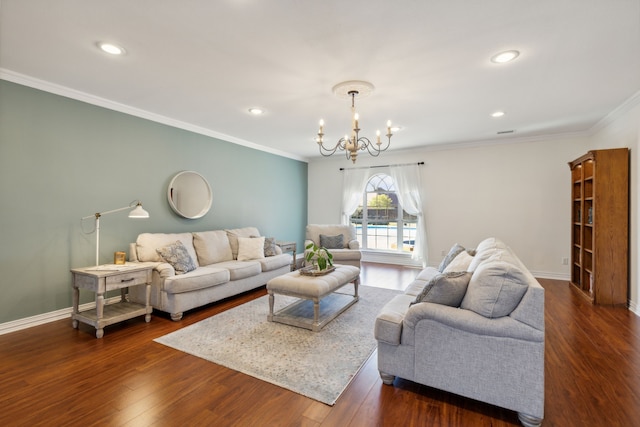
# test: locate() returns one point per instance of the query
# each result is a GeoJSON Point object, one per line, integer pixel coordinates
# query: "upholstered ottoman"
{"type": "Point", "coordinates": [311, 290]}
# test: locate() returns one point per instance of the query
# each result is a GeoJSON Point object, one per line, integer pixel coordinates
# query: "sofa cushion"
{"type": "Point", "coordinates": [313, 232]}
{"type": "Point", "coordinates": [176, 255]}
{"type": "Point", "coordinates": [147, 243]}
{"type": "Point", "coordinates": [233, 235]}
{"type": "Point", "coordinates": [250, 248]}
{"type": "Point", "coordinates": [460, 263]}
{"type": "Point", "coordinates": [453, 252]}
{"type": "Point", "coordinates": [421, 281]}
{"type": "Point", "coordinates": [212, 247]}
{"type": "Point", "coordinates": [332, 242]}
{"type": "Point", "coordinates": [200, 278]}
{"type": "Point", "coordinates": [445, 288]}
{"type": "Point", "coordinates": [495, 289]}
{"type": "Point", "coordinates": [241, 269]}
{"type": "Point", "coordinates": [275, 262]}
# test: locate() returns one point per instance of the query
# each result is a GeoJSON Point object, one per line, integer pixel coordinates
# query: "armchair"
{"type": "Point", "coordinates": [345, 249]}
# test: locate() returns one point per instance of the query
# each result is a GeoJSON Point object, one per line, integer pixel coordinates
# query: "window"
{"type": "Point", "coordinates": [380, 221]}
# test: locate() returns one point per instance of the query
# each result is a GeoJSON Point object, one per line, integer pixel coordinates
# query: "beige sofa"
{"type": "Point", "coordinates": [220, 264]}
{"type": "Point", "coordinates": [473, 327]}
{"type": "Point", "coordinates": [347, 251]}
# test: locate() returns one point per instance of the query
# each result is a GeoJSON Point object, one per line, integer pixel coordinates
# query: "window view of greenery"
{"type": "Point", "coordinates": [383, 224]}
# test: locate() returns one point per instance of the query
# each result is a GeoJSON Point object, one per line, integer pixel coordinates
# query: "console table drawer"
{"type": "Point", "coordinates": [126, 279]}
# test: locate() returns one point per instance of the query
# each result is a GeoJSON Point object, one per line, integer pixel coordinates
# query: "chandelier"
{"type": "Point", "coordinates": [353, 143]}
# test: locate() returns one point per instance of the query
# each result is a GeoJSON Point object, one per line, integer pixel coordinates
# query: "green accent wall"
{"type": "Point", "coordinates": [62, 159]}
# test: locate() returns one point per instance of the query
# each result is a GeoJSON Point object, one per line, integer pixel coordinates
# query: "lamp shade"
{"type": "Point", "coordinates": [138, 212]}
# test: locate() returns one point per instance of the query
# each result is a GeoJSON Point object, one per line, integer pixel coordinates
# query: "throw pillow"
{"type": "Point", "coordinates": [250, 248]}
{"type": "Point", "coordinates": [460, 263]}
{"type": "Point", "coordinates": [176, 254]}
{"type": "Point", "coordinates": [495, 289]}
{"type": "Point", "coordinates": [445, 288]}
{"type": "Point", "coordinates": [270, 246]}
{"type": "Point", "coordinates": [332, 242]}
{"type": "Point", "coordinates": [453, 252]}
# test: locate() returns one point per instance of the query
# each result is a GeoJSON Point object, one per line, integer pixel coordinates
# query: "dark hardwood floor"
{"type": "Point", "coordinates": [55, 375]}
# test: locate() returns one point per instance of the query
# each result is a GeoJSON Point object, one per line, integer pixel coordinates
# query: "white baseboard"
{"type": "Point", "coordinates": [551, 275]}
{"type": "Point", "coordinates": [634, 308]}
{"type": "Point", "coordinates": [65, 313]}
{"type": "Point", "coordinates": [390, 258]}
{"type": "Point", "coordinates": [41, 319]}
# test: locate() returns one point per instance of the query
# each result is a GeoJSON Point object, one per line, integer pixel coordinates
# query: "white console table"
{"type": "Point", "coordinates": [103, 278]}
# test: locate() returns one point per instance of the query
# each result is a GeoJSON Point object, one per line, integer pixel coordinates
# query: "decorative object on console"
{"type": "Point", "coordinates": [353, 143]}
{"type": "Point", "coordinates": [119, 258]}
{"type": "Point", "coordinates": [189, 195]}
{"type": "Point", "coordinates": [137, 212]}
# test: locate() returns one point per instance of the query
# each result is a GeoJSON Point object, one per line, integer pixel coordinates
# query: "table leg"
{"type": "Point", "coordinates": [147, 317]}
{"type": "Point", "coordinates": [271, 298]}
{"type": "Point", "coordinates": [355, 287]}
{"type": "Point", "coordinates": [76, 302]}
{"type": "Point", "coordinates": [316, 310]}
{"type": "Point", "coordinates": [99, 315]}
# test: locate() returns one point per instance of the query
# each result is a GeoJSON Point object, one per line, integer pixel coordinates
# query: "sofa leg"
{"type": "Point", "coordinates": [386, 378]}
{"type": "Point", "coordinates": [529, 421]}
{"type": "Point", "coordinates": [176, 316]}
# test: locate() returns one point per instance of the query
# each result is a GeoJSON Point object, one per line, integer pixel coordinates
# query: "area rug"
{"type": "Point", "coordinates": [319, 365]}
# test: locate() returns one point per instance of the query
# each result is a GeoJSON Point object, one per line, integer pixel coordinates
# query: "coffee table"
{"type": "Point", "coordinates": [311, 290]}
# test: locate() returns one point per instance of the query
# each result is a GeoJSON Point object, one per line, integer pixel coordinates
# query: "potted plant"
{"type": "Point", "coordinates": [320, 256]}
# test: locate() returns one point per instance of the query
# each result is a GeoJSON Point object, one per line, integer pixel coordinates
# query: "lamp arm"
{"type": "Point", "coordinates": [99, 214]}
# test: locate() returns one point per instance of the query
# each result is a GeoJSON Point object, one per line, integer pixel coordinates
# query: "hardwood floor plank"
{"type": "Point", "coordinates": [55, 375]}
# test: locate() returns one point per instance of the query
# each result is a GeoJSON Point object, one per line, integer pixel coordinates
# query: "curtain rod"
{"type": "Point", "coordinates": [384, 166]}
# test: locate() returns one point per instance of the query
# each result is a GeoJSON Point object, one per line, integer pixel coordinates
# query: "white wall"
{"type": "Point", "coordinates": [519, 192]}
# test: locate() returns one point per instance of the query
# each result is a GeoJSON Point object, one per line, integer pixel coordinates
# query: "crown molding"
{"type": "Point", "coordinates": [67, 92]}
{"type": "Point", "coordinates": [617, 113]}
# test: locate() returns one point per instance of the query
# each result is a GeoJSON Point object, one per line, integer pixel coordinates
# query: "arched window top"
{"type": "Point", "coordinates": [380, 183]}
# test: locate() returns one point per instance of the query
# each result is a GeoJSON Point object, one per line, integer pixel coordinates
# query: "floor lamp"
{"type": "Point", "coordinates": [137, 212]}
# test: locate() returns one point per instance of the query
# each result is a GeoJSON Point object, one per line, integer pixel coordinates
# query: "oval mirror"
{"type": "Point", "coordinates": [189, 195]}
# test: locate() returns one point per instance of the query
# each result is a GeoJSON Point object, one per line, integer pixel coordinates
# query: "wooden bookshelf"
{"type": "Point", "coordinates": [600, 225]}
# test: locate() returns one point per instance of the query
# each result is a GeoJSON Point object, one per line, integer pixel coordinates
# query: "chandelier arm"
{"type": "Point", "coordinates": [354, 143]}
{"type": "Point", "coordinates": [326, 152]}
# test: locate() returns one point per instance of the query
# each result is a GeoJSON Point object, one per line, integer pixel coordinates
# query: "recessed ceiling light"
{"type": "Point", "coordinates": [497, 114]}
{"type": "Point", "coordinates": [256, 111]}
{"type": "Point", "coordinates": [111, 48]}
{"type": "Point", "coordinates": [506, 56]}
{"type": "Point", "coordinates": [396, 128]}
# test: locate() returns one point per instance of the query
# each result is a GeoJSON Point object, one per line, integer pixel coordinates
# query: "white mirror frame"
{"type": "Point", "coordinates": [189, 195]}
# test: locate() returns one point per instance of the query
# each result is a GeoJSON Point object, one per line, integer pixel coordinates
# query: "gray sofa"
{"type": "Point", "coordinates": [347, 251]}
{"type": "Point", "coordinates": [473, 327]}
{"type": "Point", "coordinates": [219, 264]}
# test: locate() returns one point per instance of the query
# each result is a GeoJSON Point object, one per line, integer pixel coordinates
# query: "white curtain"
{"type": "Point", "coordinates": [408, 183]}
{"type": "Point", "coordinates": [353, 182]}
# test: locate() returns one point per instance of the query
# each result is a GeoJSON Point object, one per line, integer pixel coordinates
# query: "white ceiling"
{"type": "Point", "coordinates": [203, 63]}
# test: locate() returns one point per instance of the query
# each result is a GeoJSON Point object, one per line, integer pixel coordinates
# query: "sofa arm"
{"type": "Point", "coordinates": [388, 326]}
{"type": "Point", "coordinates": [354, 244]}
{"type": "Point", "coordinates": [469, 321]}
{"type": "Point", "coordinates": [165, 270]}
